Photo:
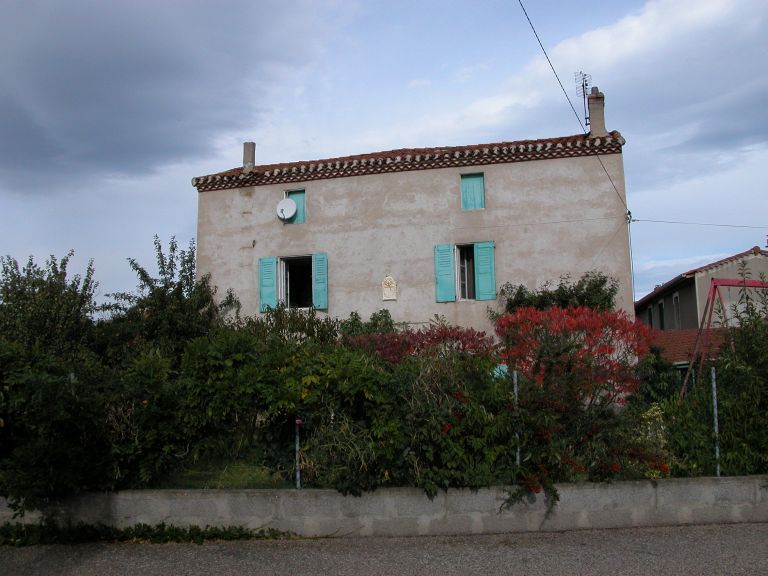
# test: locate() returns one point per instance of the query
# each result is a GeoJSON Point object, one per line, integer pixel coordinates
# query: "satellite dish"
{"type": "Point", "coordinates": [286, 209]}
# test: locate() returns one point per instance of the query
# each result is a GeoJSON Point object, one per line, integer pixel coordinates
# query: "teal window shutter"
{"type": "Point", "coordinates": [267, 283]}
{"type": "Point", "coordinates": [472, 192]}
{"type": "Point", "coordinates": [298, 196]}
{"type": "Point", "coordinates": [320, 280]}
{"type": "Point", "coordinates": [445, 284]}
{"type": "Point", "coordinates": [485, 272]}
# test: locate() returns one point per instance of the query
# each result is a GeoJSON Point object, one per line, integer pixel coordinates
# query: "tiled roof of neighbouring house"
{"type": "Point", "coordinates": [413, 159]}
{"type": "Point", "coordinates": [677, 345]}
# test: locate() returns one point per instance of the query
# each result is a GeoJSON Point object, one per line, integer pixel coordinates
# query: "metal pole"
{"type": "Point", "coordinates": [517, 434]}
{"type": "Point", "coordinates": [298, 460]}
{"type": "Point", "coordinates": [714, 411]}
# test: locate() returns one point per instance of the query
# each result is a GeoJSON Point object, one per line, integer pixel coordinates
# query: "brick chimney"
{"type": "Point", "coordinates": [596, 103]}
{"type": "Point", "coordinates": [249, 156]}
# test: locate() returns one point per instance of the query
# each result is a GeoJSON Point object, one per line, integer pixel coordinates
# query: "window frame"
{"type": "Point", "coordinates": [284, 280]}
{"type": "Point", "coordinates": [274, 281]}
{"type": "Point", "coordinates": [676, 310]}
{"type": "Point", "coordinates": [447, 260]}
{"type": "Point", "coordinates": [464, 255]}
{"type": "Point", "coordinates": [471, 198]}
{"type": "Point", "coordinates": [660, 306]}
{"type": "Point", "coordinates": [299, 196]}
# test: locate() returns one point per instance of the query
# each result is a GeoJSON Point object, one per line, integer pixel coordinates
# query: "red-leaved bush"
{"type": "Point", "coordinates": [587, 354]}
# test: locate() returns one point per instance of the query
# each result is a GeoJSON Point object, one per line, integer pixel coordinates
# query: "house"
{"type": "Point", "coordinates": [680, 303]}
{"type": "Point", "coordinates": [420, 232]}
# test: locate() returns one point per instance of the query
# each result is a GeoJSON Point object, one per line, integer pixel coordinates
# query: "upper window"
{"type": "Point", "coordinates": [676, 310]}
{"type": "Point", "coordinates": [661, 315]}
{"type": "Point", "coordinates": [295, 281]}
{"type": "Point", "coordinates": [472, 192]}
{"type": "Point", "coordinates": [465, 272]}
{"type": "Point", "coordinates": [297, 196]}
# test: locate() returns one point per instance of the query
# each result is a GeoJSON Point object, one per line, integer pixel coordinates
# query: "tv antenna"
{"type": "Point", "coordinates": [583, 84]}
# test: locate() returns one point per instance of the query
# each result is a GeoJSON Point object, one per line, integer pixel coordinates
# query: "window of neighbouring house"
{"type": "Point", "coordinates": [299, 197]}
{"type": "Point", "coordinates": [676, 310]}
{"type": "Point", "coordinates": [661, 314]}
{"type": "Point", "coordinates": [295, 281]}
{"type": "Point", "coordinates": [650, 316]}
{"type": "Point", "coordinates": [472, 191]}
{"type": "Point", "coordinates": [465, 272]}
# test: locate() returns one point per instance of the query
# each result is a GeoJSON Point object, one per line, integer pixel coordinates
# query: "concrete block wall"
{"type": "Point", "coordinates": [408, 512]}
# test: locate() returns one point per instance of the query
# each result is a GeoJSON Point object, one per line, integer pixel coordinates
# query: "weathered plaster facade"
{"type": "Point", "coordinates": [550, 210]}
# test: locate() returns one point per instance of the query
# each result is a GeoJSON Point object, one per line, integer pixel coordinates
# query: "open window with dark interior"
{"type": "Point", "coordinates": [297, 281]}
{"type": "Point", "coordinates": [465, 260]}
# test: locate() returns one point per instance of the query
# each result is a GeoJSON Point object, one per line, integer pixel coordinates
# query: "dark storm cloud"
{"type": "Point", "coordinates": [107, 87]}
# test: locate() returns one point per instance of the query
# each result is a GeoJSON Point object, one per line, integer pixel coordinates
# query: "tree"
{"type": "Point", "coordinates": [164, 313]}
{"type": "Point", "coordinates": [593, 290]}
{"type": "Point", "coordinates": [40, 307]}
{"type": "Point", "coordinates": [575, 365]}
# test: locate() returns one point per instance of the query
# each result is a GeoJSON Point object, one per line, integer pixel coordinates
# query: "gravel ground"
{"type": "Point", "coordinates": [675, 551]}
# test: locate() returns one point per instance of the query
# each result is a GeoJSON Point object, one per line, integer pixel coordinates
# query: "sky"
{"type": "Point", "coordinates": [109, 109]}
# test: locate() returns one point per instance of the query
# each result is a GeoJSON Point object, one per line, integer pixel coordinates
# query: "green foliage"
{"type": "Point", "coordinates": [593, 290]}
{"type": "Point", "coordinates": [90, 405]}
{"type": "Point", "coordinates": [40, 307]}
{"type": "Point", "coordinates": [741, 374]}
{"type": "Point", "coordinates": [50, 533]}
{"type": "Point", "coordinates": [379, 323]}
{"type": "Point", "coordinates": [173, 387]}
{"type": "Point", "coordinates": [659, 380]}
{"type": "Point", "coordinates": [164, 312]}
{"type": "Point", "coordinates": [52, 439]}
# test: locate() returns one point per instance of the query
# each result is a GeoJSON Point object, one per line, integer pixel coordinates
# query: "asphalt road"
{"type": "Point", "coordinates": [672, 551]}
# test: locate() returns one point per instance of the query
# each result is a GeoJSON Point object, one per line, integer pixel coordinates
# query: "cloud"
{"type": "Point", "coordinates": [124, 88]}
{"type": "Point", "coordinates": [418, 82]}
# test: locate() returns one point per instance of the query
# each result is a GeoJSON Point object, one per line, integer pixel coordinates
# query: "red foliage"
{"type": "Point", "coordinates": [394, 347]}
{"type": "Point", "coordinates": [594, 351]}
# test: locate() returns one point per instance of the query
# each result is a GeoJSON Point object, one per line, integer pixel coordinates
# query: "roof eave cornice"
{"type": "Point", "coordinates": [413, 159]}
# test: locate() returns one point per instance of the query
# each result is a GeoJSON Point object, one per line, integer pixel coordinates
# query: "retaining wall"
{"type": "Point", "coordinates": [408, 512]}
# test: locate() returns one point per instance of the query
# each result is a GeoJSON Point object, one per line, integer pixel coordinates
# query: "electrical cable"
{"type": "Point", "coordinates": [701, 224]}
{"type": "Point", "coordinates": [573, 108]}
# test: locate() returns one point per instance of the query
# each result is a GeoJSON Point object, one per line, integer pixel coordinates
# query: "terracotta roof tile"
{"type": "Point", "coordinates": [677, 345]}
{"type": "Point", "coordinates": [406, 159]}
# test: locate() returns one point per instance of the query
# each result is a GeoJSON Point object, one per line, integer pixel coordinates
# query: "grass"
{"type": "Point", "coordinates": [225, 475]}
{"type": "Point", "coordinates": [49, 533]}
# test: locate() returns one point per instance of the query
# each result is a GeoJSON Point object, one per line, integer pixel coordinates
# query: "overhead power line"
{"type": "Point", "coordinates": [702, 224]}
{"type": "Point", "coordinates": [573, 108]}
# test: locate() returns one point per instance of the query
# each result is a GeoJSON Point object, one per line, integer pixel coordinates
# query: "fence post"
{"type": "Point", "coordinates": [714, 412]}
{"type": "Point", "coordinates": [517, 434]}
{"type": "Point", "coordinates": [298, 459]}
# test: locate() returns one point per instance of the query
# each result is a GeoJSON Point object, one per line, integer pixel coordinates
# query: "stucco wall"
{"type": "Point", "coordinates": [547, 218]}
{"type": "Point", "coordinates": [408, 512]}
{"type": "Point", "coordinates": [757, 265]}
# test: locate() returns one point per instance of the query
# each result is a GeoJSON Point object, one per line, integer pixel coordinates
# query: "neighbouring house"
{"type": "Point", "coordinates": [420, 232]}
{"type": "Point", "coordinates": [680, 303]}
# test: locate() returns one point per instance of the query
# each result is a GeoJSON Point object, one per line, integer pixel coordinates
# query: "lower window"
{"type": "Point", "coordinates": [295, 281]}
{"type": "Point", "coordinates": [465, 272]}
{"type": "Point", "coordinates": [465, 266]}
